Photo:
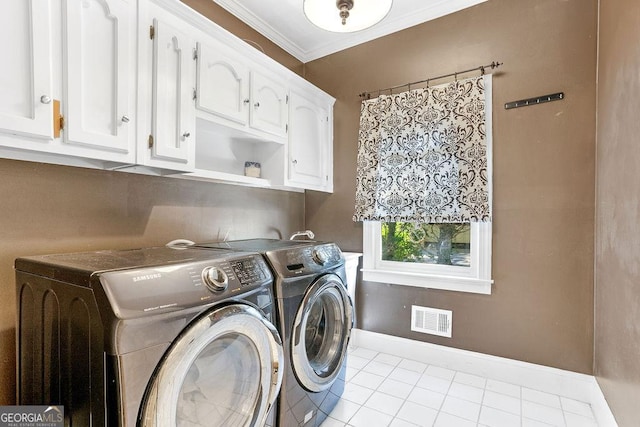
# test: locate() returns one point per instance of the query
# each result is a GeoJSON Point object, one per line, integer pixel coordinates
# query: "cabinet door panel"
{"type": "Point", "coordinates": [98, 73]}
{"type": "Point", "coordinates": [25, 75]}
{"type": "Point", "coordinates": [307, 143]}
{"type": "Point", "coordinates": [172, 121]}
{"type": "Point", "coordinates": [222, 84]}
{"type": "Point", "coordinates": [268, 110]}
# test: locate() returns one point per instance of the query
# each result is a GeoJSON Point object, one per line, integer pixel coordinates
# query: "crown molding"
{"type": "Point", "coordinates": [330, 43]}
{"type": "Point", "coordinates": [261, 26]}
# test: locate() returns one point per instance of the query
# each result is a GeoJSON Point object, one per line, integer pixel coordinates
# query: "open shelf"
{"type": "Point", "coordinates": [221, 153]}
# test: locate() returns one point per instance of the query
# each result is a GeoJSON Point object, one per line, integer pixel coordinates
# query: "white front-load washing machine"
{"type": "Point", "coordinates": [149, 337]}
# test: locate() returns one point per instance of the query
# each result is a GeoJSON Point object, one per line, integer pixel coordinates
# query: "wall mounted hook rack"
{"type": "Point", "coordinates": [534, 101]}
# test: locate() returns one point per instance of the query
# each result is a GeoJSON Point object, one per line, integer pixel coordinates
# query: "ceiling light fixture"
{"type": "Point", "coordinates": [345, 16]}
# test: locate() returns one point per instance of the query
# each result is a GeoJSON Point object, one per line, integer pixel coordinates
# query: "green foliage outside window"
{"type": "Point", "coordinates": [446, 244]}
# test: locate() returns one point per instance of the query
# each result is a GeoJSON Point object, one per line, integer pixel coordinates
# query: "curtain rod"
{"type": "Point", "coordinates": [481, 68]}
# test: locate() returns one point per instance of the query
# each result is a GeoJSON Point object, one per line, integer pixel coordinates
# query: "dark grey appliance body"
{"type": "Point", "coordinates": [93, 328]}
{"type": "Point", "coordinates": [307, 273]}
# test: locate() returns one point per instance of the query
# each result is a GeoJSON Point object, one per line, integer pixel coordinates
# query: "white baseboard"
{"type": "Point", "coordinates": [569, 384]}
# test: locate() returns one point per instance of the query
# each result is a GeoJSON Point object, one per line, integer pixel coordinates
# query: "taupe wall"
{"type": "Point", "coordinates": [541, 309]}
{"type": "Point", "coordinates": [617, 328]}
{"type": "Point", "coordinates": [48, 209]}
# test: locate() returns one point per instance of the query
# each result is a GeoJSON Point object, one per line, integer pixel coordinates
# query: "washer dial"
{"type": "Point", "coordinates": [215, 279]}
{"type": "Point", "coordinates": [319, 256]}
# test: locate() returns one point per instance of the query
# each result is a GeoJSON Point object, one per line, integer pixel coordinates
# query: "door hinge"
{"type": "Point", "coordinates": [287, 99]}
{"type": "Point", "coordinates": [195, 53]}
{"type": "Point", "coordinates": [195, 94]}
{"type": "Point", "coordinates": [286, 128]}
{"type": "Point", "coordinates": [58, 119]}
{"type": "Point", "coordinates": [152, 32]}
{"type": "Point", "coordinates": [150, 141]}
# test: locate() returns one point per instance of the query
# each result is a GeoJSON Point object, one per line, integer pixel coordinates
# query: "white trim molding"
{"type": "Point", "coordinates": [296, 35]}
{"type": "Point", "coordinates": [568, 384]}
{"type": "Point", "coordinates": [474, 279]}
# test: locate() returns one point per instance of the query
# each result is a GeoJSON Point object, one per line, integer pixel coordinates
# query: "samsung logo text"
{"type": "Point", "coordinates": [147, 277]}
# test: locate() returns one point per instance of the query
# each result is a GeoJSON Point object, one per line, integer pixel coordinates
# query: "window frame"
{"type": "Point", "coordinates": [473, 279]}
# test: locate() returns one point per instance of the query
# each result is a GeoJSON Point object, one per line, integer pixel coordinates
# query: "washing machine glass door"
{"type": "Point", "coordinates": [223, 370]}
{"type": "Point", "coordinates": [321, 333]}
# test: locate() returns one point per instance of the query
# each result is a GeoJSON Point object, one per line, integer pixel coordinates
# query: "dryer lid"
{"type": "Point", "coordinates": [78, 267]}
{"type": "Point", "coordinates": [141, 292]}
{"type": "Point", "coordinates": [257, 245]}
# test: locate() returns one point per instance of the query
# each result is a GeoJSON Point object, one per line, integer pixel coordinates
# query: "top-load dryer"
{"type": "Point", "coordinates": [149, 337]}
{"type": "Point", "coordinates": [315, 317]}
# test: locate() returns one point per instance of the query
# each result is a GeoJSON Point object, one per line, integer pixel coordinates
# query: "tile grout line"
{"type": "Point", "coordinates": [521, 407]}
{"type": "Point", "coordinates": [564, 415]}
{"type": "Point", "coordinates": [445, 396]}
{"type": "Point", "coordinates": [484, 390]}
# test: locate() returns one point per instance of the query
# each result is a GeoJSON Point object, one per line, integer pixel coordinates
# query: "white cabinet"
{"type": "Point", "coordinates": [310, 144]}
{"type": "Point", "coordinates": [25, 76]}
{"type": "Point", "coordinates": [242, 114]}
{"type": "Point", "coordinates": [249, 109]}
{"type": "Point", "coordinates": [77, 54]}
{"type": "Point", "coordinates": [268, 110]}
{"type": "Point", "coordinates": [99, 74]}
{"type": "Point", "coordinates": [222, 83]}
{"type": "Point", "coordinates": [173, 119]}
{"type": "Point", "coordinates": [166, 84]}
{"type": "Point", "coordinates": [152, 86]}
{"type": "Point", "coordinates": [232, 89]}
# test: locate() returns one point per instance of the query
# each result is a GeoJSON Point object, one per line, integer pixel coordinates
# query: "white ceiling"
{"type": "Point", "coordinates": [284, 23]}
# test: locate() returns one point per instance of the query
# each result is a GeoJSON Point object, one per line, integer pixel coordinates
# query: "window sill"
{"type": "Point", "coordinates": [448, 283]}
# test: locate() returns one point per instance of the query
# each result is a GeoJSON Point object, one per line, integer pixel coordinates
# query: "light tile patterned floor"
{"type": "Point", "coordinates": [385, 390]}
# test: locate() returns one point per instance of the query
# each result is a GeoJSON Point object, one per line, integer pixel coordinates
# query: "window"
{"type": "Point", "coordinates": [424, 157]}
{"type": "Point", "coordinates": [441, 256]}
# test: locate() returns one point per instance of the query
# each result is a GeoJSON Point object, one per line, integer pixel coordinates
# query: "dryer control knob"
{"type": "Point", "coordinates": [319, 256]}
{"type": "Point", "coordinates": [215, 279]}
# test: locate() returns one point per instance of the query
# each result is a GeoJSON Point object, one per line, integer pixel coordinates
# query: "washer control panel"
{"type": "Point", "coordinates": [249, 270]}
{"type": "Point", "coordinates": [175, 286]}
{"type": "Point", "coordinates": [306, 260]}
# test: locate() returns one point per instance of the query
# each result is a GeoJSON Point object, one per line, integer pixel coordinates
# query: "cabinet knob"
{"type": "Point", "coordinates": [125, 119]}
{"type": "Point", "coordinates": [294, 161]}
{"type": "Point", "coordinates": [45, 99]}
{"type": "Point", "coordinates": [257, 104]}
{"type": "Point", "coordinates": [186, 135]}
{"type": "Point", "coordinates": [246, 101]}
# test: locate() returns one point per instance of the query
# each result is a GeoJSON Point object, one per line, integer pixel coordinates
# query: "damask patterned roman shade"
{"type": "Point", "coordinates": [423, 155]}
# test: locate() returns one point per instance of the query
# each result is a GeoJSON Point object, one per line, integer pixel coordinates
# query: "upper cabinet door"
{"type": "Point", "coordinates": [308, 143]}
{"type": "Point", "coordinates": [222, 84]}
{"type": "Point", "coordinates": [268, 109]}
{"type": "Point", "coordinates": [173, 118]}
{"type": "Point", "coordinates": [99, 74]}
{"type": "Point", "coordinates": [26, 105]}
